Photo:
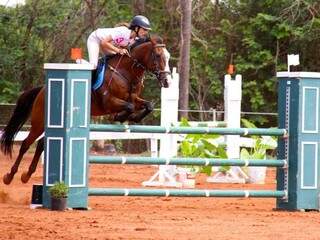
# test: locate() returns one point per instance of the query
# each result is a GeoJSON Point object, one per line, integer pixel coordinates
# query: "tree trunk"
{"type": "Point", "coordinates": [25, 77]}
{"type": "Point", "coordinates": [184, 61]}
{"type": "Point", "coordinates": [138, 7]}
{"type": "Point", "coordinates": [91, 13]}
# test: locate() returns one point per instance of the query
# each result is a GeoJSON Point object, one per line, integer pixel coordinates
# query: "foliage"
{"type": "Point", "coordinates": [261, 144]}
{"type": "Point", "coordinates": [59, 190]}
{"type": "Point", "coordinates": [201, 146]}
{"type": "Point", "coordinates": [257, 152]}
{"type": "Point", "coordinates": [255, 36]}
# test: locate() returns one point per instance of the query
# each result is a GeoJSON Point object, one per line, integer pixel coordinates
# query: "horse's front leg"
{"type": "Point", "coordinates": [142, 109]}
{"type": "Point", "coordinates": [122, 109]}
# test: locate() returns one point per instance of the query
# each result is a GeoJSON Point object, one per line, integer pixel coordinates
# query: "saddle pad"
{"type": "Point", "coordinates": [98, 75]}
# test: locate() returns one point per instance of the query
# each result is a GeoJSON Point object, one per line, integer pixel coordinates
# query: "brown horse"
{"type": "Point", "coordinates": [119, 95]}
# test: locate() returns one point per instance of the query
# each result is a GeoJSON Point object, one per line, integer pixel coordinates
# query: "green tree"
{"type": "Point", "coordinates": [255, 35]}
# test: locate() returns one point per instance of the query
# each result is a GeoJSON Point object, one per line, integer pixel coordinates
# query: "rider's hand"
{"type": "Point", "coordinates": [123, 51]}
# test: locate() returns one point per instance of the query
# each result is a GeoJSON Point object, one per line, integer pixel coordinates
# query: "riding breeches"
{"type": "Point", "coordinates": [93, 44]}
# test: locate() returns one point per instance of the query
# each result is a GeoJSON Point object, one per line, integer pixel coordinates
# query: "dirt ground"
{"type": "Point", "coordinates": [152, 217]}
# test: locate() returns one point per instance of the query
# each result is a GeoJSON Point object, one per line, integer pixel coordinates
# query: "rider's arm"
{"type": "Point", "coordinates": [107, 46]}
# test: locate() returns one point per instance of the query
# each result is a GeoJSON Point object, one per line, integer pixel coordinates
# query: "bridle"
{"type": "Point", "coordinates": [137, 64]}
{"type": "Point", "coordinates": [157, 70]}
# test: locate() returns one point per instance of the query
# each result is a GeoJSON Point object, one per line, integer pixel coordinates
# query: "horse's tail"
{"type": "Point", "coordinates": [18, 118]}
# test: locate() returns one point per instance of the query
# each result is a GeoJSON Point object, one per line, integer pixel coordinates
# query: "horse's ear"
{"type": "Point", "coordinates": [165, 39]}
{"type": "Point", "coordinates": [156, 40]}
{"type": "Point", "coordinates": [153, 40]}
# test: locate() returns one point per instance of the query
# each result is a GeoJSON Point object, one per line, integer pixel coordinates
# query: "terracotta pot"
{"type": "Point", "coordinates": [58, 204]}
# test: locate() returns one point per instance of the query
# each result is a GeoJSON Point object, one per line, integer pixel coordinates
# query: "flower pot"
{"type": "Point", "coordinates": [257, 174]}
{"type": "Point", "coordinates": [58, 204]}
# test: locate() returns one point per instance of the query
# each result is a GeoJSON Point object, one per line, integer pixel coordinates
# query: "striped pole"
{"type": "Point", "coordinates": [185, 193]}
{"type": "Point", "coordinates": [187, 130]}
{"type": "Point", "coordinates": [186, 161]}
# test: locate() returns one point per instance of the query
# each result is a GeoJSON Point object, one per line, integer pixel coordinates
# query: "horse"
{"type": "Point", "coordinates": [119, 96]}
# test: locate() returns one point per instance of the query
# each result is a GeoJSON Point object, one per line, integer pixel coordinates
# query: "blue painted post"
{"type": "Point", "coordinates": [298, 108]}
{"type": "Point", "coordinates": [67, 117]}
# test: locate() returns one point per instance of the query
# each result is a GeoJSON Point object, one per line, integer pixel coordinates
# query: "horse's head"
{"type": "Point", "coordinates": [155, 58]}
{"type": "Point", "coordinates": [159, 62]}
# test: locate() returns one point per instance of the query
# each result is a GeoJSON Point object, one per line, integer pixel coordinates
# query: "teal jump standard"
{"type": "Point", "coordinates": [186, 161]}
{"type": "Point", "coordinates": [185, 193]}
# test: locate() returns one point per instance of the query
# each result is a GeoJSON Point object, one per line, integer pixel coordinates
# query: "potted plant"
{"type": "Point", "coordinates": [59, 193]}
{"type": "Point", "coordinates": [258, 151]}
{"type": "Point", "coordinates": [202, 146]}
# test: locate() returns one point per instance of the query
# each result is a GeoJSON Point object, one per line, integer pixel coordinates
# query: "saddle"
{"type": "Point", "coordinates": [98, 73]}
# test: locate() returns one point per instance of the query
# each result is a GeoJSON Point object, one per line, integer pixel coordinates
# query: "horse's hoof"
{"type": "Point", "coordinates": [25, 177]}
{"type": "Point", "coordinates": [7, 179]}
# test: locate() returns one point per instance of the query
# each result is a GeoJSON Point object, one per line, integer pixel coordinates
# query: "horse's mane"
{"type": "Point", "coordinates": [139, 41]}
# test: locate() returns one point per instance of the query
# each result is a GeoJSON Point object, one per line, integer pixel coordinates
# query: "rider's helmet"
{"type": "Point", "coordinates": [140, 21]}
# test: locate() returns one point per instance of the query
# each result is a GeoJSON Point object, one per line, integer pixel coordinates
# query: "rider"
{"type": "Point", "coordinates": [113, 40]}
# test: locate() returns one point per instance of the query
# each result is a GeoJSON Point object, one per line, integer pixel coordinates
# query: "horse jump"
{"type": "Point", "coordinates": [67, 157]}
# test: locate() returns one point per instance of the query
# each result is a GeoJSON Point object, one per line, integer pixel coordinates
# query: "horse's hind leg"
{"type": "Point", "coordinates": [33, 166]}
{"type": "Point", "coordinates": [7, 178]}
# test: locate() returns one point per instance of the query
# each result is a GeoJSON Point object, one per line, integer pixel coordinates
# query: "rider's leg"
{"type": "Point", "coordinates": [93, 44]}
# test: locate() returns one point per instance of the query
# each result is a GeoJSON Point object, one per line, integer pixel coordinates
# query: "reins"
{"type": "Point", "coordinates": [136, 64]}
{"type": "Point", "coordinates": [114, 70]}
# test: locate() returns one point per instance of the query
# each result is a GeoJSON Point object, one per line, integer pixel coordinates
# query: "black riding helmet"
{"type": "Point", "coordinates": [140, 21]}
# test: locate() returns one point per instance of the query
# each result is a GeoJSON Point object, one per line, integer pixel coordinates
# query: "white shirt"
{"type": "Point", "coordinates": [120, 35]}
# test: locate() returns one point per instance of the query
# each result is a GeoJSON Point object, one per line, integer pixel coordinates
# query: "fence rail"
{"type": "Point", "coordinates": [185, 193]}
{"type": "Point", "coordinates": [186, 161]}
